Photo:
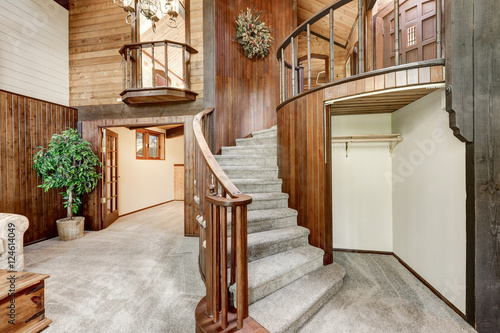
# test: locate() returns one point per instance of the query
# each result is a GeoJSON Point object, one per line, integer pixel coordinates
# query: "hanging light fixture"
{"type": "Point", "coordinates": [168, 10]}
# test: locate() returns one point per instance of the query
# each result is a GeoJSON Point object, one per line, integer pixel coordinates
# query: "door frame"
{"type": "Point", "coordinates": [91, 132]}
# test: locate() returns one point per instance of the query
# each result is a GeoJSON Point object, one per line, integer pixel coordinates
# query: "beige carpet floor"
{"type": "Point", "coordinates": [141, 275]}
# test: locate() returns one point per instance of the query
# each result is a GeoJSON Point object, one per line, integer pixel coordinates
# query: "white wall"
{"type": "Point", "coordinates": [144, 183]}
{"type": "Point", "coordinates": [429, 196]}
{"type": "Point", "coordinates": [34, 56]}
{"type": "Point", "coordinates": [362, 197]}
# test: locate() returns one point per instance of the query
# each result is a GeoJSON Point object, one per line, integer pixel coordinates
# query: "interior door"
{"type": "Point", "coordinates": [417, 36]}
{"type": "Point", "coordinates": [179, 182]}
{"type": "Point", "coordinates": [110, 177]}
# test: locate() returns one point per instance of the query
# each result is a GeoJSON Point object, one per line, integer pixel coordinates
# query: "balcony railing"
{"type": "Point", "coordinates": [292, 71]}
{"type": "Point", "coordinates": [156, 67]}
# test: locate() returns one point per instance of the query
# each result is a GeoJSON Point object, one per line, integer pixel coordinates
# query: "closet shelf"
{"type": "Point", "coordinates": [392, 139]}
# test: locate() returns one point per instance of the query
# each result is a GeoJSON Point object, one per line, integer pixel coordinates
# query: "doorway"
{"type": "Point", "coordinates": [110, 177]}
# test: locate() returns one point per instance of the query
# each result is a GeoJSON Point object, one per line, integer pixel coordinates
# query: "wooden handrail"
{"type": "Point", "coordinates": [313, 19]}
{"type": "Point", "coordinates": [214, 253]}
{"type": "Point", "coordinates": [189, 48]}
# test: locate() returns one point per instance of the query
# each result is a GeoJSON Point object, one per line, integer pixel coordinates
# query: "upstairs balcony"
{"type": "Point", "coordinates": [350, 50]}
{"type": "Point", "coordinates": [156, 72]}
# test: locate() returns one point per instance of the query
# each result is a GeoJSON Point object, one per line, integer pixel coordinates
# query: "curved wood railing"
{"type": "Point", "coordinates": [217, 195]}
{"type": "Point", "coordinates": [297, 77]}
{"type": "Point", "coordinates": [132, 64]}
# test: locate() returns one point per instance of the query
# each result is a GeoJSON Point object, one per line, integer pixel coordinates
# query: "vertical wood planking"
{"type": "Point", "coordinates": [247, 89]}
{"type": "Point", "coordinates": [25, 124]}
{"type": "Point", "coordinates": [302, 167]}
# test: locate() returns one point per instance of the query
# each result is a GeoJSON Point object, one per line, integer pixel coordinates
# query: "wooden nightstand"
{"type": "Point", "coordinates": [22, 305]}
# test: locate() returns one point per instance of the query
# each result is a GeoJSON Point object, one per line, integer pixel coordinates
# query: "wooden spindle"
{"type": "Point", "coordinates": [438, 29]}
{"type": "Point", "coordinates": [166, 64]}
{"type": "Point", "coordinates": [396, 32]}
{"type": "Point", "coordinates": [294, 76]}
{"type": "Point", "coordinates": [283, 72]}
{"type": "Point", "coordinates": [332, 46]}
{"type": "Point", "coordinates": [360, 36]}
{"type": "Point", "coordinates": [286, 83]}
{"type": "Point", "coordinates": [309, 71]}
{"type": "Point", "coordinates": [224, 287]}
{"type": "Point", "coordinates": [124, 72]}
{"type": "Point", "coordinates": [233, 245]}
{"type": "Point", "coordinates": [241, 260]}
{"type": "Point", "coordinates": [209, 275]}
{"type": "Point", "coordinates": [140, 65]}
{"type": "Point", "coordinates": [128, 68]}
{"type": "Point", "coordinates": [216, 251]}
{"type": "Point", "coordinates": [281, 83]}
{"type": "Point", "coordinates": [153, 68]}
{"type": "Point", "coordinates": [184, 64]}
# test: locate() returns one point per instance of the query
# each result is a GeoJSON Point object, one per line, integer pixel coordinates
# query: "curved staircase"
{"type": "Point", "coordinates": [287, 282]}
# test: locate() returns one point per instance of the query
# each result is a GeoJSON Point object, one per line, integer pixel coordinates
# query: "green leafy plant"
{"type": "Point", "coordinates": [253, 34]}
{"type": "Point", "coordinates": [68, 163]}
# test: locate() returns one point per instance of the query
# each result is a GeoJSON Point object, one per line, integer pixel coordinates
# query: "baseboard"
{"type": "Point", "coordinates": [412, 271]}
{"type": "Point", "coordinates": [139, 210]}
{"type": "Point", "coordinates": [428, 285]}
{"type": "Point", "coordinates": [363, 251]}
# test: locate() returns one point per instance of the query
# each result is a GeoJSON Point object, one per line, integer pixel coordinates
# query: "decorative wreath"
{"type": "Point", "coordinates": [253, 34]}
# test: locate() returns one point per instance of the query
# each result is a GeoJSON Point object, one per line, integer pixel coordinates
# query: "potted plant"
{"type": "Point", "coordinates": [69, 164]}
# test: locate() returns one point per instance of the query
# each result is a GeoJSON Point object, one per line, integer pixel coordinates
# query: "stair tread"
{"type": "Point", "coordinates": [250, 147]}
{"type": "Point", "coordinates": [270, 214]}
{"type": "Point", "coordinates": [256, 181]}
{"type": "Point", "coordinates": [270, 268]}
{"type": "Point", "coordinates": [249, 167]}
{"type": "Point", "coordinates": [276, 235]}
{"type": "Point", "coordinates": [267, 130]}
{"type": "Point", "coordinates": [268, 196]}
{"type": "Point", "coordinates": [289, 307]}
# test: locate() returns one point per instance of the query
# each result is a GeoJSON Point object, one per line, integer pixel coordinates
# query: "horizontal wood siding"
{"type": "Point", "coordinates": [247, 90]}
{"type": "Point", "coordinates": [34, 49]}
{"type": "Point", "coordinates": [91, 132]}
{"type": "Point", "coordinates": [306, 178]}
{"type": "Point", "coordinates": [26, 124]}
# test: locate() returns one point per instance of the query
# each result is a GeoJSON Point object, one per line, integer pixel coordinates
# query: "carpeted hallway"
{"type": "Point", "coordinates": [141, 275]}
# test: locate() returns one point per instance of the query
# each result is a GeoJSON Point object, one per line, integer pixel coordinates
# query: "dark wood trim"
{"type": "Point", "coordinates": [178, 164]}
{"type": "Point", "coordinates": [174, 132]}
{"type": "Point", "coordinates": [420, 64]}
{"type": "Point", "coordinates": [328, 40]}
{"type": "Point", "coordinates": [470, 235]}
{"type": "Point", "coordinates": [428, 285]}
{"type": "Point", "coordinates": [205, 324]}
{"type": "Point", "coordinates": [363, 251]}
{"type": "Point", "coordinates": [140, 210]}
{"type": "Point", "coordinates": [63, 3]}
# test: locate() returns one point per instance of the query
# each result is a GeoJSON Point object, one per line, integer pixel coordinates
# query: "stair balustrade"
{"type": "Point", "coordinates": [218, 197]}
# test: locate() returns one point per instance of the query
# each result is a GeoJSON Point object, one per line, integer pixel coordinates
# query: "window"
{"type": "Point", "coordinates": [149, 145]}
{"type": "Point", "coordinates": [411, 35]}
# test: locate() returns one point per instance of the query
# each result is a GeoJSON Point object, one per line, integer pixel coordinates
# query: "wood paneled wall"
{"type": "Point", "coordinates": [25, 124]}
{"type": "Point", "coordinates": [247, 90]}
{"type": "Point", "coordinates": [91, 131]}
{"type": "Point", "coordinates": [301, 160]}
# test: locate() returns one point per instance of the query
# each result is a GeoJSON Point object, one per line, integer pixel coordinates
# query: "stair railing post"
{"type": "Point", "coordinates": [438, 29]}
{"type": "Point", "coordinates": [309, 71]}
{"type": "Point", "coordinates": [242, 270]}
{"type": "Point", "coordinates": [224, 289]}
{"type": "Point", "coordinates": [360, 36]}
{"type": "Point", "coordinates": [294, 76]}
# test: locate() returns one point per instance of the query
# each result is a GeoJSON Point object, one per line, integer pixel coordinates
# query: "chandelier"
{"type": "Point", "coordinates": [153, 10]}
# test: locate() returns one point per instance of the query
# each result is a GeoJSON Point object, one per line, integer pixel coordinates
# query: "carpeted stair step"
{"type": "Point", "coordinates": [256, 141]}
{"type": "Point", "coordinates": [268, 243]}
{"type": "Point", "coordinates": [250, 171]}
{"type": "Point", "coordinates": [269, 219]}
{"type": "Point", "coordinates": [263, 150]}
{"type": "Point", "coordinates": [258, 185]}
{"type": "Point", "coordinates": [269, 274]}
{"type": "Point", "coordinates": [268, 201]}
{"type": "Point", "coordinates": [273, 131]}
{"type": "Point", "coordinates": [257, 160]}
{"type": "Point", "coordinates": [287, 309]}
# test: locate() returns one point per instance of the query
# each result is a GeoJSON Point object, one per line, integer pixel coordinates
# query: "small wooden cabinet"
{"type": "Point", "coordinates": [22, 304]}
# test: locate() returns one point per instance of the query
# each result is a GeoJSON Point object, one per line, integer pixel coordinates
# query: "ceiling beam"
{"type": "Point", "coordinates": [328, 39]}
{"type": "Point", "coordinates": [174, 132]}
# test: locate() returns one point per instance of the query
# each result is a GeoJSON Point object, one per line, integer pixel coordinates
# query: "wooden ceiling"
{"type": "Point", "coordinates": [345, 17]}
